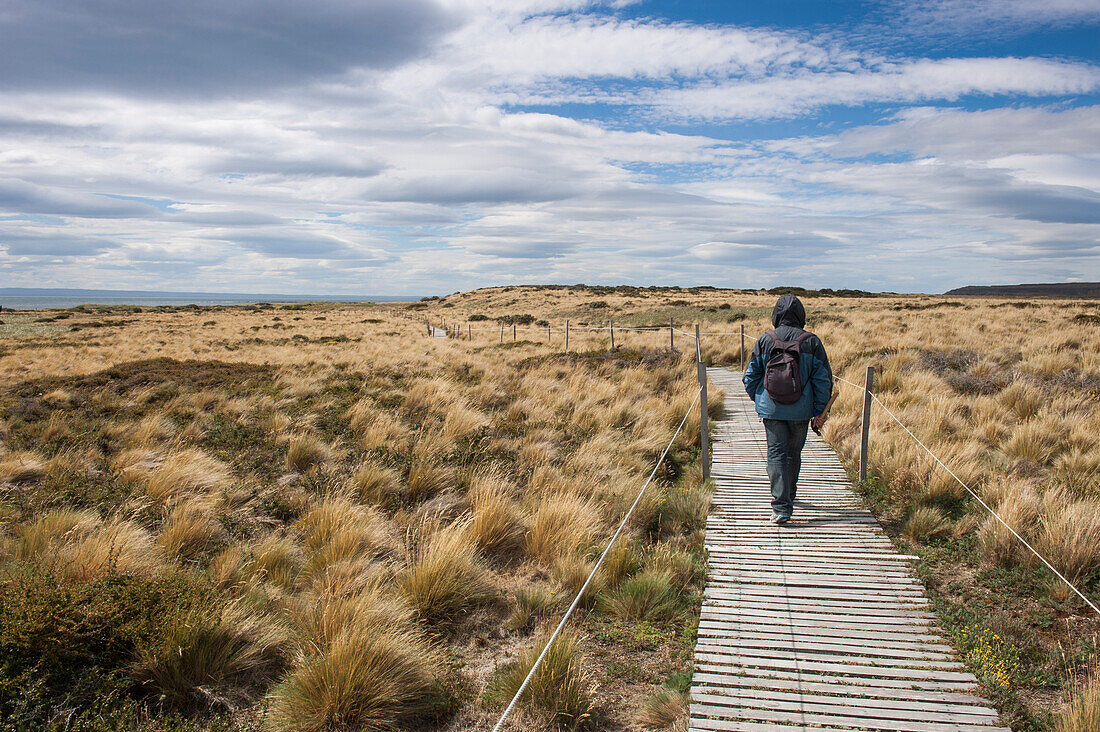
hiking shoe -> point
(780, 519)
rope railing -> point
(576, 600)
(976, 497)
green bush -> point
(65, 645)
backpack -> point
(782, 374)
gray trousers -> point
(785, 442)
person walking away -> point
(789, 379)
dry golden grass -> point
(1083, 712)
(395, 430)
(185, 474)
(560, 692)
(444, 578)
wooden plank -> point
(820, 623)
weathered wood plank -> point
(818, 624)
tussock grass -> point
(1070, 539)
(305, 452)
(562, 689)
(665, 709)
(376, 484)
(21, 467)
(530, 604)
(497, 522)
(1083, 712)
(207, 656)
(336, 529)
(561, 526)
(367, 677)
(926, 522)
(444, 579)
(190, 530)
(427, 479)
(185, 474)
(648, 595)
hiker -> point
(789, 379)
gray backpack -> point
(783, 373)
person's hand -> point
(819, 421)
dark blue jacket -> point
(789, 317)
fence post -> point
(513, 332)
(742, 346)
(671, 336)
(865, 431)
(547, 334)
(611, 325)
(469, 332)
(428, 322)
(698, 351)
(704, 437)
(502, 331)
(566, 335)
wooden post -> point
(548, 334)
(698, 351)
(469, 332)
(566, 335)
(611, 325)
(742, 346)
(502, 332)
(513, 332)
(428, 323)
(704, 437)
(868, 383)
(671, 336)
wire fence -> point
(576, 600)
(672, 330)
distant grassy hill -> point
(1053, 289)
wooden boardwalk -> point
(819, 624)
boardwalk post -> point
(742, 346)
(611, 325)
(671, 336)
(704, 437)
(566, 335)
(866, 428)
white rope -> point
(577, 599)
(978, 498)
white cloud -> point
(421, 178)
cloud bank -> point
(428, 146)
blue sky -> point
(428, 146)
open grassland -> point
(318, 518)
(1006, 392)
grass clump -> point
(444, 579)
(305, 452)
(496, 524)
(648, 595)
(561, 690)
(209, 656)
(366, 678)
(926, 522)
(376, 484)
(665, 709)
(530, 604)
(1083, 712)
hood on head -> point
(788, 310)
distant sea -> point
(19, 298)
